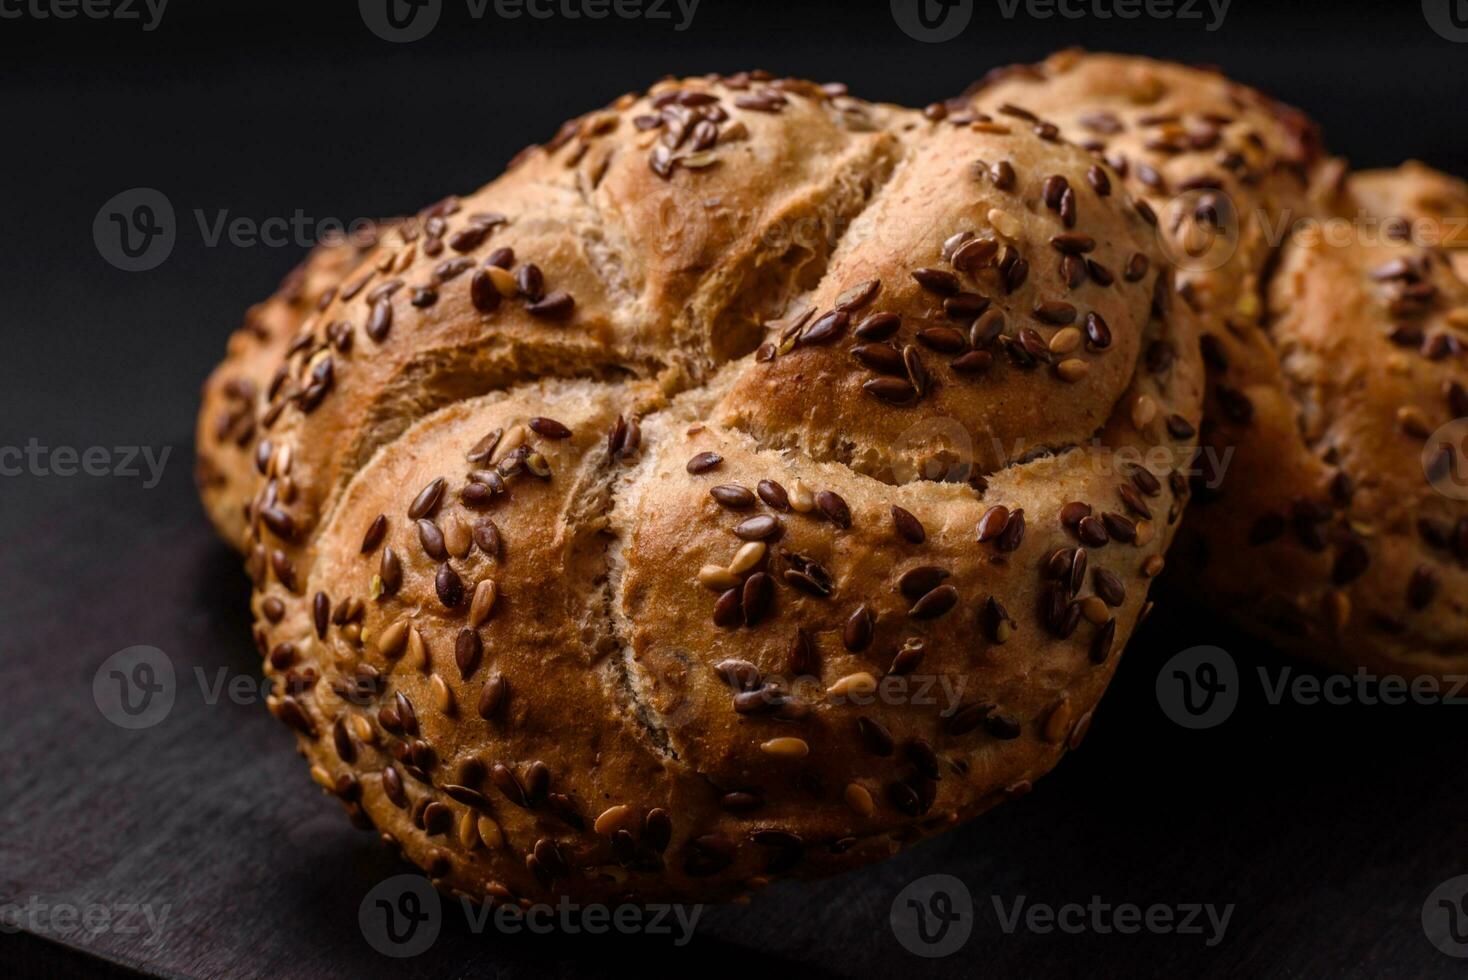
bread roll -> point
(751, 481)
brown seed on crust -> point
(802, 657)
(376, 531)
(449, 586)
(761, 527)
(487, 537)
(727, 611)
(756, 596)
(1092, 532)
(1014, 532)
(945, 340)
(894, 391)
(860, 627)
(967, 718)
(703, 462)
(939, 281)
(835, 508)
(1077, 577)
(390, 571)
(1180, 428)
(916, 372)
(1133, 500)
(1055, 313)
(741, 675)
(974, 362)
(509, 784)
(321, 613)
(826, 328)
(918, 581)
(935, 603)
(467, 650)
(437, 819)
(993, 523)
(549, 428)
(1072, 243)
(732, 496)
(855, 297)
(1136, 267)
(280, 523)
(392, 788)
(427, 499)
(379, 321)
(907, 526)
(1109, 587)
(1119, 528)
(773, 494)
(431, 538)
(997, 623)
(878, 326)
(908, 657)
(482, 292)
(976, 253)
(875, 737)
(1098, 334)
(964, 306)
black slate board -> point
(1327, 826)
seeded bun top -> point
(1332, 355)
(1431, 206)
(750, 481)
(1342, 532)
(240, 389)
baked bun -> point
(1332, 327)
(750, 481)
(239, 390)
(1341, 531)
(1428, 205)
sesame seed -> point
(858, 684)
(786, 748)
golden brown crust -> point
(624, 646)
(1342, 530)
(239, 389)
(1315, 524)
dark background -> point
(1327, 826)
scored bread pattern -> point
(751, 481)
(1326, 516)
